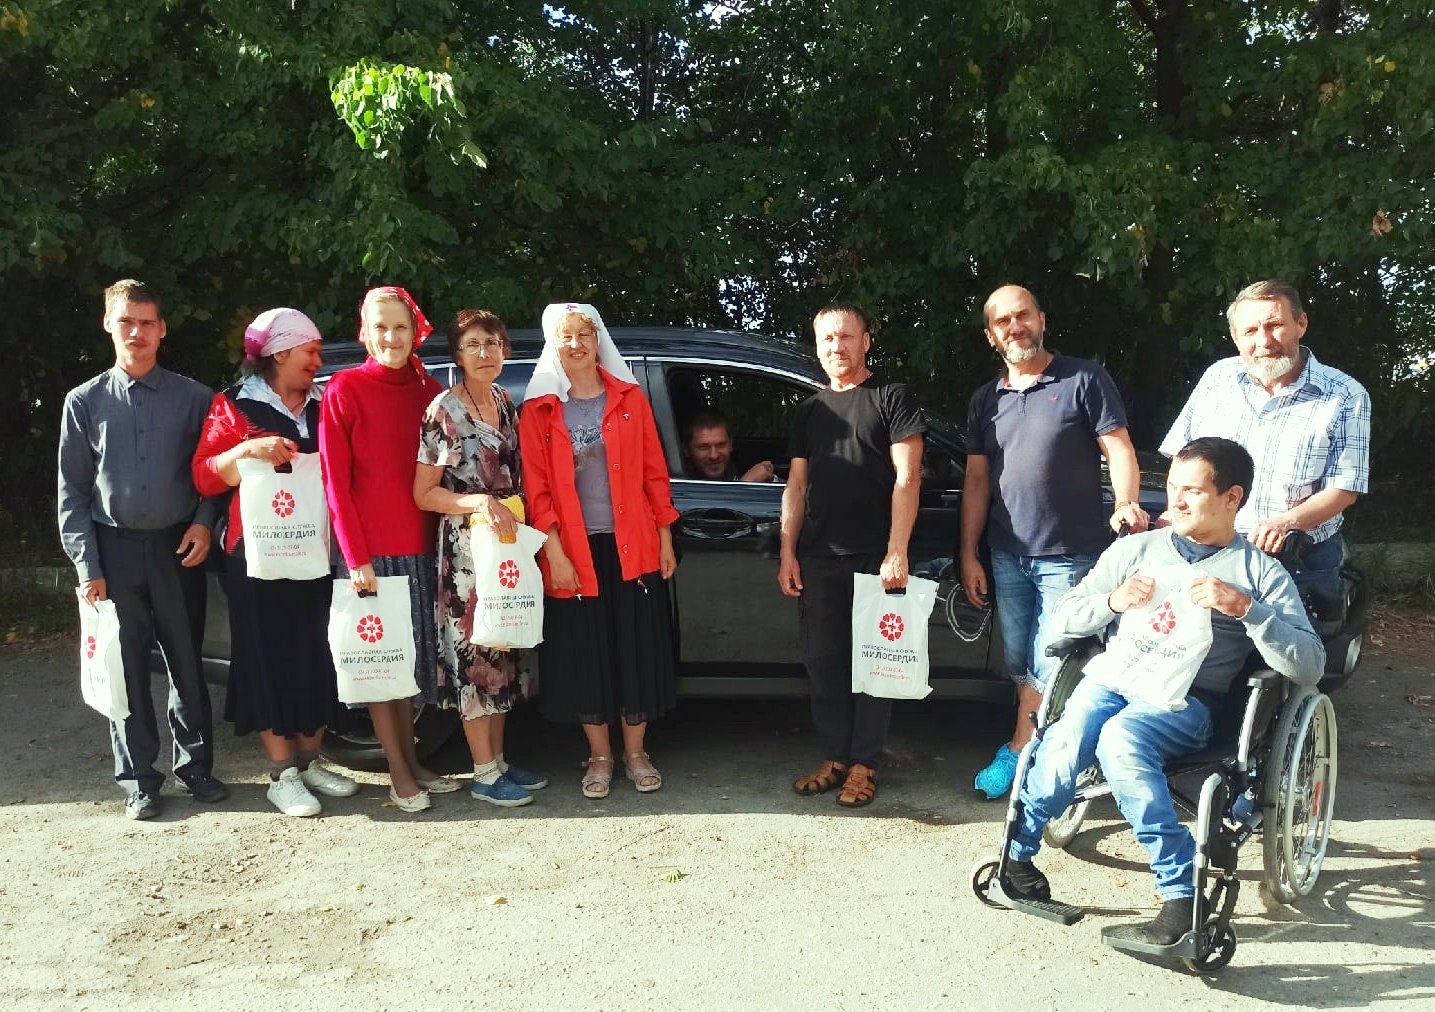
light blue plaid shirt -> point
(1315, 434)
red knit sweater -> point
(369, 439)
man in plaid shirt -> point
(1307, 426)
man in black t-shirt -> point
(848, 508)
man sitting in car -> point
(707, 444)
(1110, 720)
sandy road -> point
(723, 891)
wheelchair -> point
(1272, 738)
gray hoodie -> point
(1276, 625)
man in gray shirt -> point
(1252, 602)
(137, 532)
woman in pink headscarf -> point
(281, 676)
(369, 436)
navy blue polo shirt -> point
(1045, 463)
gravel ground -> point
(724, 890)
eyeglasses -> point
(494, 347)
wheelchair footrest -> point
(1051, 910)
(1127, 937)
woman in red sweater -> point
(597, 484)
(369, 436)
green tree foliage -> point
(726, 164)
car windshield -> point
(944, 431)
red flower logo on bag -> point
(508, 573)
(1164, 620)
(283, 504)
(371, 629)
(891, 626)
(90, 648)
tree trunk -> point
(1328, 16)
(1159, 344)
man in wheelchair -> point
(1157, 704)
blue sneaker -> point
(995, 781)
(502, 792)
(526, 779)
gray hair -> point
(1264, 291)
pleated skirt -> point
(609, 657)
(281, 674)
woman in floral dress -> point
(468, 466)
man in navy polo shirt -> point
(1035, 439)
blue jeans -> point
(1027, 588)
(1132, 741)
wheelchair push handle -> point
(1294, 548)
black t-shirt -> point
(846, 438)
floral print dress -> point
(476, 458)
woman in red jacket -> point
(281, 676)
(369, 436)
(597, 484)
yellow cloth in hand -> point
(515, 506)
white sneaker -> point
(322, 781)
(290, 796)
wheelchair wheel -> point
(1299, 795)
(1061, 830)
(1220, 946)
(983, 875)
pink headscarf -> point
(276, 330)
(422, 327)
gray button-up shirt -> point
(125, 450)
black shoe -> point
(141, 805)
(206, 789)
(1022, 881)
(1173, 921)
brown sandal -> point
(599, 776)
(820, 780)
(860, 787)
(640, 769)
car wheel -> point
(350, 740)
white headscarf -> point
(548, 374)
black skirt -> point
(609, 657)
(281, 674)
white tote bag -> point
(508, 589)
(372, 640)
(889, 637)
(285, 518)
(102, 671)
(1157, 649)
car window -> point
(514, 378)
(759, 408)
(942, 471)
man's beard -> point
(1268, 370)
(1016, 356)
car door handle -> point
(716, 524)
